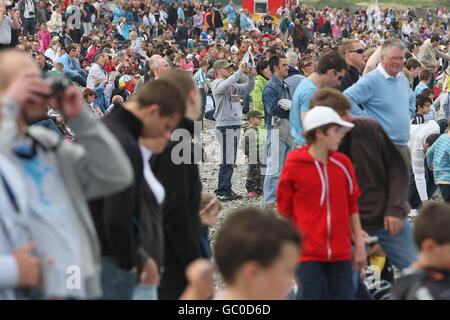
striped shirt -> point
(438, 159)
(200, 78)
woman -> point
(97, 71)
(54, 50)
(264, 75)
(56, 24)
(306, 67)
(96, 47)
(88, 98)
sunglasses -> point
(359, 51)
(308, 64)
(340, 77)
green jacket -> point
(256, 95)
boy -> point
(438, 160)
(319, 192)
(251, 142)
(200, 79)
(256, 263)
(424, 77)
(431, 280)
(422, 107)
(432, 115)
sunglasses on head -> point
(359, 51)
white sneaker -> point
(412, 213)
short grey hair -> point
(392, 42)
(292, 58)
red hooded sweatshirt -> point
(319, 200)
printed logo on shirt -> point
(233, 95)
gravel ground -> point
(209, 175)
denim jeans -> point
(78, 78)
(339, 283)
(209, 115)
(29, 27)
(49, 124)
(413, 195)
(228, 137)
(246, 107)
(276, 155)
(117, 284)
(400, 249)
(443, 123)
(203, 94)
(145, 292)
(445, 191)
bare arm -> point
(359, 254)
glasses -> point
(359, 51)
(399, 59)
(340, 77)
(307, 64)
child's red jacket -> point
(319, 200)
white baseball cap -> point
(320, 116)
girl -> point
(45, 37)
(209, 215)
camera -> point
(10, 4)
(58, 84)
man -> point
(59, 177)
(230, 11)
(85, 44)
(41, 16)
(35, 47)
(8, 21)
(276, 98)
(355, 57)
(329, 73)
(228, 114)
(158, 66)
(88, 11)
(294, 77)
(72, 67)
(27, 10)
(74, 21)
(386, 96)
(153, 113)
(181, 34)
(429, 55)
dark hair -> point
(412, 63)
(435, 37)
(431, 139)
(251, 235)
(274, 60)
(332, 98)
(163, 93)
(427, 91)
(425, 75)
(433, 222)
(421, 100)
(310, 136)
(331, 60)
(262, 65)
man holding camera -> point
(28, 13)
(227, 94)
(8, 21)
(58, 177)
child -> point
(431, 279)
(422, 107)
(438, 160)
(318, 191)
(45, 37)
(200, 79)
(256, 255)
(424, 77)
(251, 143)
(209, 213)
(433, 114)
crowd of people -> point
(342, 115)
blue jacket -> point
(273, 91)
(71, 66)
(101, 101)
